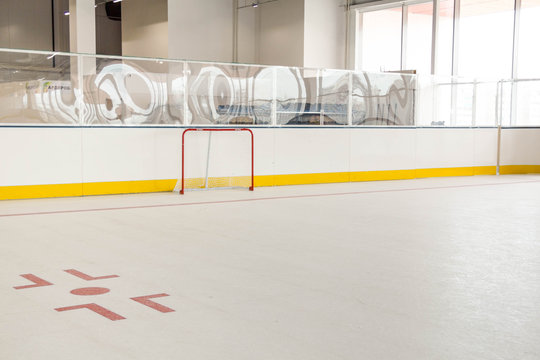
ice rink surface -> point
(445, 268)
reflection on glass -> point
(443, 103)
(41, 88)
(464, 104)
(459, 102)
(128, 92)
(527, 103)
(37, 89)
(486, 103)
(290, 95)
(230, 94)
(383, 99)
(312, 97)
(381, 40)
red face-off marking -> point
(90, 291)
(37, 282)
(88, 277)
(95, 308)
(145, 300)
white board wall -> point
(34, 156)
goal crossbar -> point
(211, 130)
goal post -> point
(231, 181)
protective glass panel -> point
(229, 94)
(383, 99)
(485, 94)
(132, 92)
(442, 104)
(294, 95)
(463, 95)
(312, 97)
(505, 104)
(456, 102)
(333, 96)
(38, 89)
(426, 101)
(527, 103)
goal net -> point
(216, 158)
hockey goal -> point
(216, 158)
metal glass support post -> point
(515, 50)
(499, 124)
(404, 31)
(455, 61)
(235, 31)
(474, 101)
(434, 36)
(80, 85)
(347, 31)
(455, 37)
(208, 159)
(274, 97)
(350, 100)
(359, 42)
(186, 93)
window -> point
(528, 50)
(419, 25)
(445, 38)
(527, 93)
(485, 38)
(381, 40)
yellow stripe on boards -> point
(485, 170)
(519, 169)
(317, 178)
(382, 175)
(39, 191)
(143, 186)
(128, 187)
(443, 172)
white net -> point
(216, 159)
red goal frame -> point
(210, 129)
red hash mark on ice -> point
(95, 308)
(144, 300)
(36, 280)
(88, 277)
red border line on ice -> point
(262, 199)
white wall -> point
(35, 156)
(201, 30)
(145, 28)
(247, 35)
(26, 24)
(309, 33)
(120, 154)
(324, 34)
(31, 156)
(520, 147)
(281, 33)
